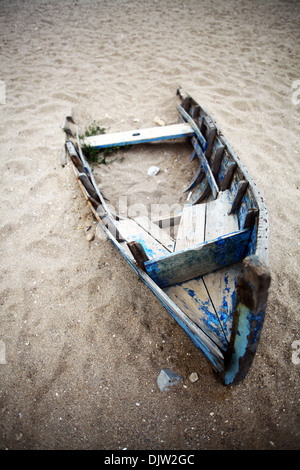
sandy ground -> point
(82, 340)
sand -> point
(82, 339)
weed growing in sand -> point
(93, 154)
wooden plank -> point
(192, 298)
(197, 178)
(191, 227)
(199, 260)
(208, 172)
(155, 231)
(139, 136)
(221, 285)
(194, 126)
(201, 193)
(138, 252)
(133, 232)
(241, 189)
(167, 221)
(218, 222)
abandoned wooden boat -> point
(214, 277)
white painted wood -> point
(131, 231)
(138, 136)
(218, 222)
(191, 227)
(160, 235)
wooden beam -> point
(139, 136)
(241, 189)
(138, 253)
(194, 126)
(199, 260)
(205, 165)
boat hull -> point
(214, 277)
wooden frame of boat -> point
(214, 277)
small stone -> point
(193, 377)
(158, 121)
(90, 236)
(167, 379)
(153, 170)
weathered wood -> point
(241, 189)
(192, 298)
(209, 134)
(191, 227)
(218, 222)
(199, 260)
(199, 175)
(250, 217)
(192, 155)
(139, 136)
(88, 185)
(216, 160)
(187, 307)
(132, 231)
(252, 295)
(138, 253)
(221, 284)
(205, 165)
(167, 221)
(193, 125)
(229, 172)
(201, 193)
(155, 231)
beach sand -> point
(82, 339)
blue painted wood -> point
(252, 289)
(199, 175)
(193, 299)
(192, 123)
(199, 260)
(139, 136)
(205, 165)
